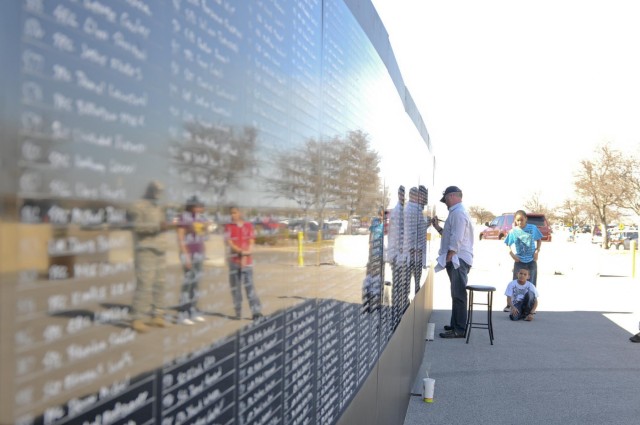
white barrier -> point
(351, 250)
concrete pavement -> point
(574, 364)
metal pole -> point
(319, 244)
(632, 246)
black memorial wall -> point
(281, 107)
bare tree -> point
(294, 178)
(599, 183)
(573, 212)
(630, 198)
(534, 205)
(480, 214)
(341, 173)
(359, 175)
(212, 159)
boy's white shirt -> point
(528, 286)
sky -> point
(515, 93)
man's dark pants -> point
(458, 278)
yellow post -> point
(319, 245)
(632, 246)
(300, 251)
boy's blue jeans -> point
(239, 277)
(524, 306)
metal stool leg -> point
(467, 328)
(489, 314)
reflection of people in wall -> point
(394, 252)
(240, 238)
(149, 225)
(372, 286)
(192, 234)
(421, 239)
(412, 216)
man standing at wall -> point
(456, 256)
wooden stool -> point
(480, 325)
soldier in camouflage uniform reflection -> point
(150, 245)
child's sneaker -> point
(507, 309)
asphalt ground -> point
(574, 364)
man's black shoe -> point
(451, 334)
(448, 328)
(635, 338)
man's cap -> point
(450, 189)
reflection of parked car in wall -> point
(328, 232)
(339, 226)
(501, 225)
(268, 234)
(310, 229)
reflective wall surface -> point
(198, 211)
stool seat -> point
(481, 287)
(482, 325)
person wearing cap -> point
(456, 256)
(149, 226)
(192, 234)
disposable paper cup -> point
(428, 385)
(431, 329)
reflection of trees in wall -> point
(306, 176)
(214, 159)
(359, 175)
(339, 173)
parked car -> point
(630, 236)
(596, 236)
(616, 239)
(498, 228)
(501, 225)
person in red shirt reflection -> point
(240, 239)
